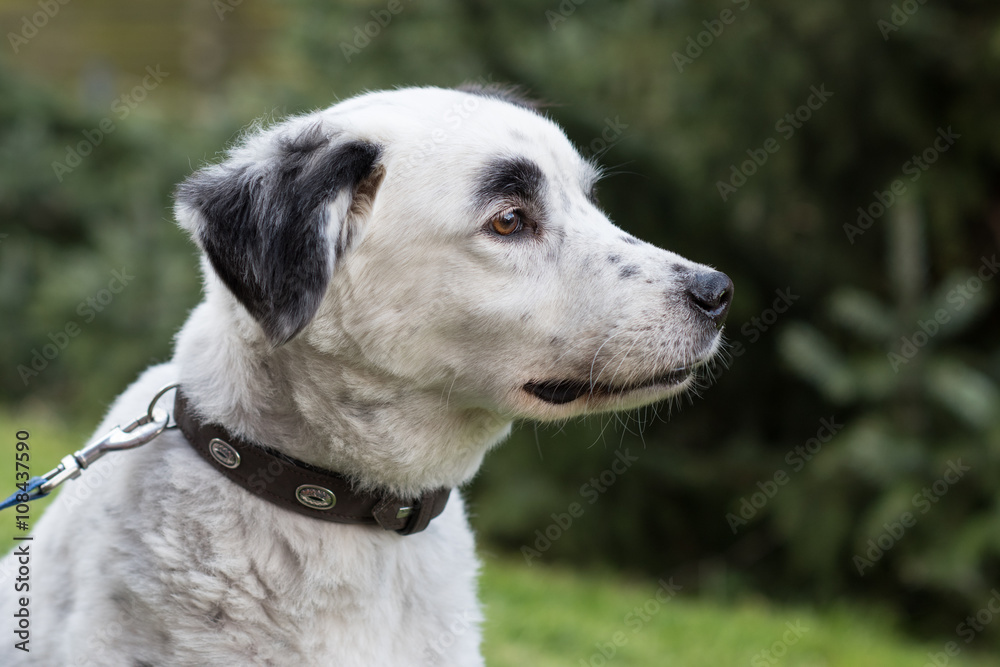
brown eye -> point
(507, 222)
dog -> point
(389, 284)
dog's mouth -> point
(563, 391)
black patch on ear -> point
(265, 225)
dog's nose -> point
(711, 292)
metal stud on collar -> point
(224, 453)
(315, 497)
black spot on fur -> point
(217, 616)
(592, 195)
(265, 225)
(631, 240)
(614, 259)
(628, 271)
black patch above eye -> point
(506, 179)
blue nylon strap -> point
(34, 491)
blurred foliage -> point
(63, 241)
(824, 354)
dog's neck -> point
(330, 412)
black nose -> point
(711, 292)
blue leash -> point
(33, 491)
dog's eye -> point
(507, 223)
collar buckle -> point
(406, 516)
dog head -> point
(448, 241)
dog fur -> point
(362, 314)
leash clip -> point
(137, 433)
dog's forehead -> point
(426, 126)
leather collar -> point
(300, 487)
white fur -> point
(411, 370)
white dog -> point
(389, 284)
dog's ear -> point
(274, 226)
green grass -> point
(542, 617)
(546, 617)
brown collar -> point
(300, 487)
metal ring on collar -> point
(157, 397)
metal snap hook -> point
(157, 397)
